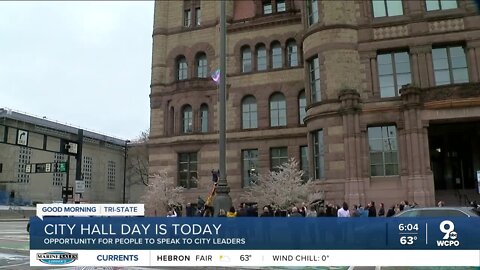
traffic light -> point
(67, 192)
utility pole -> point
(65, 194)
(78, 165)
(222, 197)
(67, 148)
(125, 169)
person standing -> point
(372, 212)
(343, 212)
(242, 212)
(303, 209)
(391, 211)
(232, 212)
(295, 212)
(266, 212)
(312, 212)
(381, 211)
(221, 213)
(172, 213)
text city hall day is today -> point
(120, 235)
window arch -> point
(249, 112)
(202, 65)
(204, 118)
(261, 57)
(187, 119)
(278, 110)
(182, 68)
(292, 53)
(246, 59)
(277, 55)
(302, 107)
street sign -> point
(68, 147)
(62, 167)
(46, 167)
(79, 186)
(22, 137)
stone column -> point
(418, 188)
(473, 55)
(422, 72)
(349, 109)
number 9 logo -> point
(447, 228)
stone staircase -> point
(453, 197)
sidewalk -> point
(16, 213)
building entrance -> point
(455, 160)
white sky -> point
(83, 63)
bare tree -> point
(137, 160)
(283, 187)
(161, 194)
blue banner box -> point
(149, 233)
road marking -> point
(14, 239)
(12, 265)
(17, 248)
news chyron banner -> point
(119, 235)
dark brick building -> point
(322, 81)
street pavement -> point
(14, 245)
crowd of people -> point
(327, 210)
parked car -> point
(439, 212)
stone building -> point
(26, 140)
(378, 100)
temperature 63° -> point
(408, 240)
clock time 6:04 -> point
(407, 227)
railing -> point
(462, 197)
(16, 209)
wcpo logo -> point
(57, 257)
(450, 236)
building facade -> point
(26, 140)
(378, 100)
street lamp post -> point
(222, 198)
(125, 149)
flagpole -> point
(222, 197)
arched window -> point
(246, 59)
(292, 54)
(182, 68)
(278, 110)
(276, 55)
(302, 106)
(204, 118)
(261, 58)
(249, 112)
(187, 121)
(202, 65)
